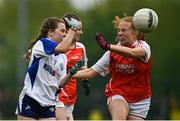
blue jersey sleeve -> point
(48, 45)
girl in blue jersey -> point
(47, 65)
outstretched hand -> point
(102, 42)
(76, 67)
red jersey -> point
(68, 93)
(130, 76)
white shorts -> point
(139, 109)
(59, 104)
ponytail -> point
(27, 55)
(50, 23)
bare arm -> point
(128, 52)
(65, 80)
(64, 45)
(125, 51)
(85, 74)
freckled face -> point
(125, 33)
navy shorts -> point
(31, 108)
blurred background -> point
(20, 21)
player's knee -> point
(119, 116)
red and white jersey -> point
(68, 93)
(130, 76)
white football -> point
(145, 20)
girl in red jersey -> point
(128, 92)
(75, 53)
